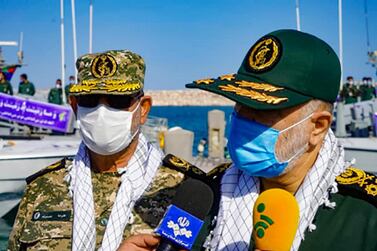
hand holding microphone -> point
(275, 220)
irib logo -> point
(183, 222)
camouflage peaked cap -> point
(117, 72)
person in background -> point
(5, 86)
(70, 83)
(26, 87)
(372, 87)
(350, 91)
(55, 94)
(366, 89)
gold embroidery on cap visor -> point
(264, 54)
(228, 77)
(103, 66)
(255, 95)
(108, 86)
(206, 81)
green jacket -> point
(26, 88)
(367, 92)
(6, 87)
(349, 94)
(55, 96)
(352, 225)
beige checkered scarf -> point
(135, 178)
(239, 192)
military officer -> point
(114, 187)
(55, 93)
(366, 89)
(280, 137)
(26, 87)
(68, 86)
(5, 86)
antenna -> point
(298, 15)
(91, 26)
(20, 53)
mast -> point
(298, 15)
(91, 26)
(62, 49)
(366, 24)
(74, 35)
(340, 41)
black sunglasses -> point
(114, 101)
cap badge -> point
(264, 54)
(104, 65)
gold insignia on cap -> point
(262, 97)
(371, 189)
(103, 65)
(264, 54)
(228, 77)
(259, 86)
(206, 81)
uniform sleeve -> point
(19, 223)
(32, 89)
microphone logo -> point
(263, 224)
(183, 222)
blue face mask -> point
(252, 145)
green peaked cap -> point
(282, 69)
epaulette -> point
(53, 167)
(358, 183)
(192, 171)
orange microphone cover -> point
(275, 220)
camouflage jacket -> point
(45, 216)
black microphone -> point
(185, 216)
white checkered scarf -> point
(135, 178)
(239, 192)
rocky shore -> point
(172, 98)
(187, 98)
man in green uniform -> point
(67, 87)
(115, 186)
(280, 137)
(366, 90)
(5, 86)
(26, 87)
(55, 93)
(350, 92)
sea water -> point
(193, 118)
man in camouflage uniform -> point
(55, 212)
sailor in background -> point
(68, 86)
(26, 87)
(367, 91)
(350, 92)
(5, 86)
(55, 93)
(115, 186)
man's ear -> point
(322, 122)
(73, 103)
(145, 105)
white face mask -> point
(105, 130)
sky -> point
(181, 41)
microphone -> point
(275, 219)
(185, 216)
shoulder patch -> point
(190, 170)
(53, 167)
(358, 183)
